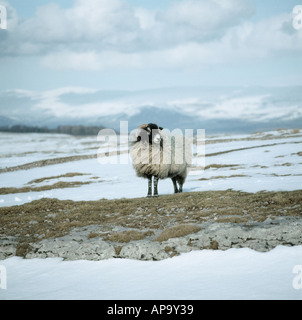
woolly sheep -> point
(156, 153)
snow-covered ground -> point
(267, 161)
(231, 274)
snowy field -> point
(269, 161)
(231, 274)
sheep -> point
(156, 153)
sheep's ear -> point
(161, 128)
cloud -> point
(87, 24)
(91, 60)
(112, 25)
(107, 21)
(110, 34)
(267, 37)
(204, 20)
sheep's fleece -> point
(166, 161)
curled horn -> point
(139, 129)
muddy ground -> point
(151, 228)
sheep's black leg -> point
(155, 182)
(149, 186)
(180, 181)
(175, 185)
(180, 188)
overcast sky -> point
(143, 44)
(57, 59)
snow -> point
(231, 274)
(271, 165)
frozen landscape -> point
(75, 222)
(268, 161)
(264, 166)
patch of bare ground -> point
(220, 166)
(177, 231)
(252, 147)
(261, 136)
(127, 236)
(140, 218)
(66, 175)
(224, 177)
(57, 185)
(48, 162)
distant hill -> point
(164, 117)
(4, 121)
(171, 119)
(67, 129)
(215, 109)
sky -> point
(140, 44)
(78, 46)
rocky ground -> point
(151, 228)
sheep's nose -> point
(157, 138)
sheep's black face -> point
(150, 133)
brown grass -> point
(249, 148)
(93, 235)
(286, 164)
(224, 177)
(51, 218)
(177, 231)
(232, 219)
(49, 162)
(260, 136)
(57, 185)
(219, 166)
(66, 175)
(127, 236)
